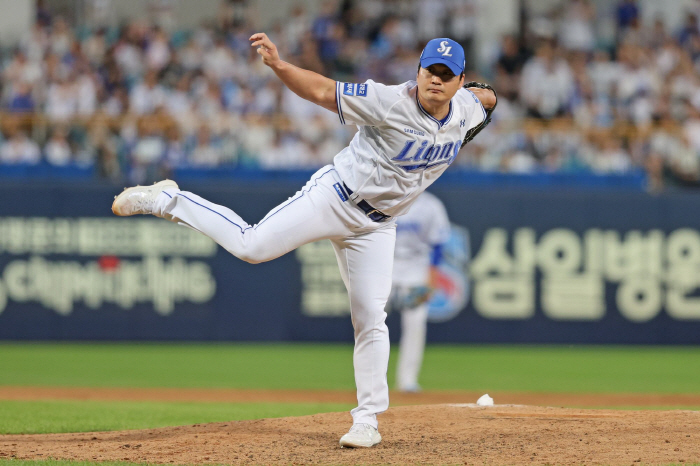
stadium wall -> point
(552, 265)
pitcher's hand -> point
(266, 48)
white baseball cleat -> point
(139, 199)
(360, 435)
(413, 388)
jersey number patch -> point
(349, 89)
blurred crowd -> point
(578, 100)
(143, 99)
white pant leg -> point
(314, 212)
(366, 263)
(365, 252)
(411, 346)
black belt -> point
(372, 213)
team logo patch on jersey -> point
(362, 90)
(349, 89)
(462, 123)
(341, 192)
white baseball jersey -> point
(418, 231)
(400, 149)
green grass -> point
(178, 365)
(582, 369)
(25, 417)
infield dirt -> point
(447, 433)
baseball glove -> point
(412, 297)
(475, 130)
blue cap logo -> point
(444, 51)
(445, 48)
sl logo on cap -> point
(445, 49)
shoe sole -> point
(354, 445)
(162, 184)
(347, 444)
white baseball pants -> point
(365, 251)
(414, 324)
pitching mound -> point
(435, 434)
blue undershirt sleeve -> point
(436, 255)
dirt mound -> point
(434, 434)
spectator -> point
(35, 42)
(175, 154)
(104, 146)
(20, 69)
(19, 149)
(205, 153)
(208, 103)
(150, 147)
(157, 51)
(219, 62)
(610, 158)
(691, 127)
(61, 37)
(431, 15)
(57, 150)
(117, 103)
(576, 28)
(603, 73)
(61, 99)
(295, 26)
(146, 96)
(85, 94)
(178, 100)
(326, 31)
(286, 151)
(681, 165)
(148, 152)
(95, 47)
(190, 56)
(21, 100)
(547, 84)
(519, 161)
(627, 14)
(508, 67)
(689, 30)
(462, 22)
(127, 54)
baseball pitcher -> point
(407, 136)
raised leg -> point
(314, 212)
